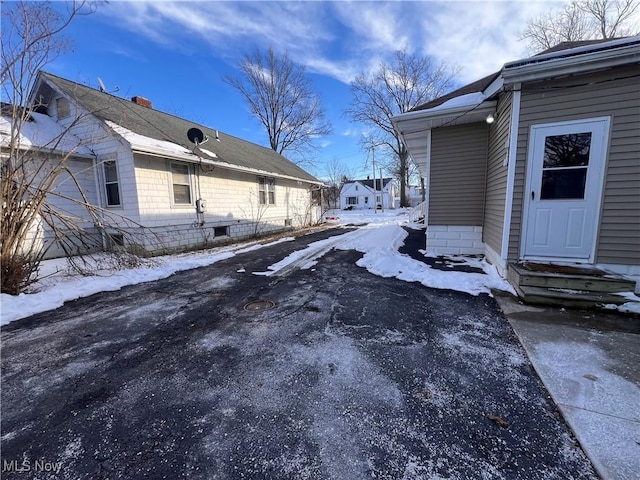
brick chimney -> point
(145, 102)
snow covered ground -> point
(378, 240)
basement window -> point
(116, 240)
(221, 231)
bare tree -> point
(393, 89)
(282, 98)
(582, 20)
(336, 174)
(41, 184)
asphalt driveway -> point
(331, 373)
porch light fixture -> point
(490, 118)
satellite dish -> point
(101, 83)
(195, 135)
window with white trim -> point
(267, 190)
(111, 184)
(352, 200)
(181, 183)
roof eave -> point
(49, 151)
(193, 158)
(553, 67)
(434, 118)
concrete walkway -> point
(589, 362)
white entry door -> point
(564, 189)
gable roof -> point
(369, 183)
(157, 132)
(39, 131)
(474, 87)
(473, 102)
(562, 51)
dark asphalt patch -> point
(348, 376)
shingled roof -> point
(369, 182)
(158, 125)
(483, 83)
(477, 86)
(574, 44)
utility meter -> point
(201, 205)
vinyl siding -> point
(614, 93)
(231, 196)
(108, 145)
(496, 189)
(458, 169)
(78, 174)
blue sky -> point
(176, 52)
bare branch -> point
(393, 89)
(282, 98)
(582, 20)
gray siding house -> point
(537, 162)
(156, 191)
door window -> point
(565, 164)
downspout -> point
(511, 172)
(486, 176)
(427, 185)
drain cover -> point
(258, 306)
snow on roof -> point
(42, 132)
(141, 142)
(468, 100)
(208, 152)
(150, 145)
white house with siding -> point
(554, 178)
(158, 192)
(365, 194)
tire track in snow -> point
(308, 257)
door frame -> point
(598, 196)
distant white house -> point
(359, 194)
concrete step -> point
(568, 277)
(568, 298)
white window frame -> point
(187, 184)
(267, 190)
(106, 182)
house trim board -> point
(427, 180)
(528, 178)
(494, 259)
(511, 172)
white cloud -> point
(480, 36)
(341, 39)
